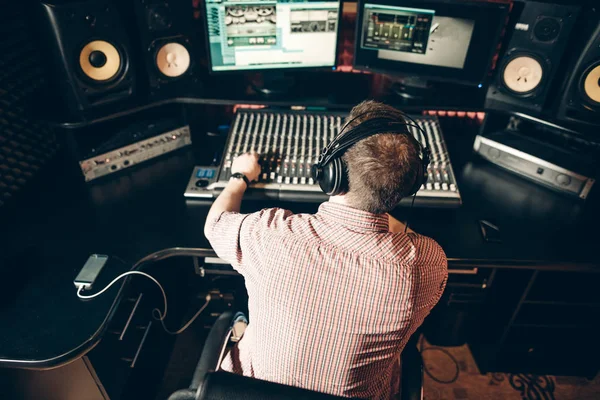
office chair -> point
(220, 385)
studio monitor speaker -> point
(90, 51)
(580, 97)
(538, 36)
(169, 46)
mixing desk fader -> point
(290, 142)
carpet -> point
(452, 374)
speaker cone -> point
(591, 84)
(99, 60)
(173, 59)
(523, 74)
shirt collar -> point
(354, 219)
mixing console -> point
(290, 142)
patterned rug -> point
(453, 374)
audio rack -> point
(135, 144)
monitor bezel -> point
(432, 72)
(211, 71)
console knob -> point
(563, 179)
(493, 153)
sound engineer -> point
(333, 296)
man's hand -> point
(247, 164)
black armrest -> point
(411, 379)
(209, 357)
(212, 348)
(223, 385)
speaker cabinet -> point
(90, 51)
(580, 100)
(526, 70)
(168, 41)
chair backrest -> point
(226, 386)
(209, 385)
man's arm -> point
(230, 198)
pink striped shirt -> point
(333, 296)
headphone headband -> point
(343, 141)
(330, 171)
(371, 127)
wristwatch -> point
(239, 175)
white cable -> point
(223, 349)
(161, 316)
(184, 327)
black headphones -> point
(330, 170)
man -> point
(334, 296)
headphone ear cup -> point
(333, 177)
(327, 178)
(315, 172)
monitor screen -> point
(445, 40)
(258, 35)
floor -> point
(461, 380)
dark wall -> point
(26, 145)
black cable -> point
(446, 352)
(412, 203)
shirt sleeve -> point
(236, 237)
(431, 262)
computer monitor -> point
(436, 39)
(271, 34)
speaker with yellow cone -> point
(90, 52)
(591, 84)
(99, 60)
(169, 43)
(580, 96)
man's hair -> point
(382, 168)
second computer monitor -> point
(266, 35)
(438, 39)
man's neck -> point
(339, 200)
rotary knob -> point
(493, 153)
(563, 179)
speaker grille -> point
(25, 144)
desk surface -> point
(144, 211)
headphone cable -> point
(412, 203)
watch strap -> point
(239, 175)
